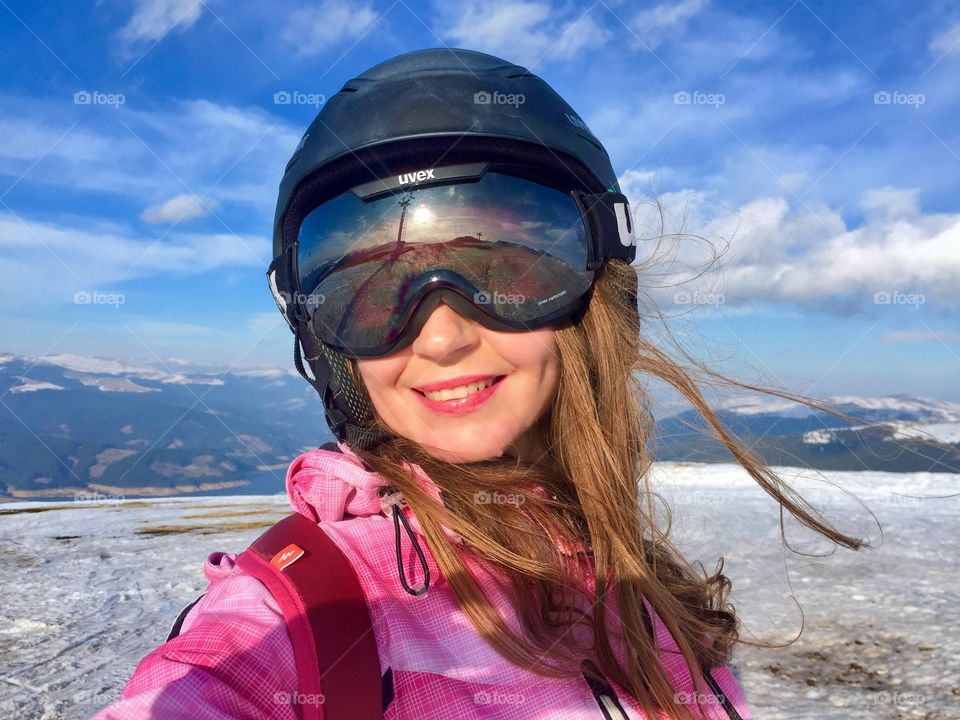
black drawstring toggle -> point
(394, 500)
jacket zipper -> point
(609, 706)
(606, 698)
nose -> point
(445, 333)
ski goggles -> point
(369, 265)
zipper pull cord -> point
(725, 703)
(395, 500)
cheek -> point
(534, 352)
(380, 376)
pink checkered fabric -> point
(233, 657)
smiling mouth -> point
(460, 392)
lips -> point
(475, 394)
(454, 382)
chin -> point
(465, 452)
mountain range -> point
(895, 433)
(80, 426)
(75, 424)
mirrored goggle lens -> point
(516, 249)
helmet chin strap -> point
(348, 412)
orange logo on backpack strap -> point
(290, 554)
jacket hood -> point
(328, 486)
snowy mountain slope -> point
(894, 407)
(90, 588)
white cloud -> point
(313, 30)
(153, 19)
(45, 262)
(24, 138)
(520, 32)
(510, 28)
(196, 147)
(887, 203)
(793, 181)
(576, 35)
(947, 42)
(634, 182)
(179, 208)
(773, 253)
(667, 21)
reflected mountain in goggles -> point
(515, 249)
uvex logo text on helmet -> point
(418, 176)
(578, 122)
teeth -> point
(455, 393)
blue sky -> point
(816, 144)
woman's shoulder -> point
(232, 655)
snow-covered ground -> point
(89, 588)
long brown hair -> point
(597, 495)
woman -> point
(452, 253)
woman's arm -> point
(232, 659)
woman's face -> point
(464, 424)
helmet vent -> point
(592, 142)
(520, 75)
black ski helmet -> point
(413, 110)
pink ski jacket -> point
(234, 659)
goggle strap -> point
(298, 363)
(329, 370)
(280, 282)
(327, 388)
(311, 344)
(610, 224)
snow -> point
(924, 407)
(85, 596)
(927, 409)
(818, 437)
(758, 404)
(87, 364)
(31, 385)
(108, 366)
(946, 432)
(265, 373)
(109, 384)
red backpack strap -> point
(327, 618)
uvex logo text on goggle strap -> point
(416, 176)
(624, 224)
